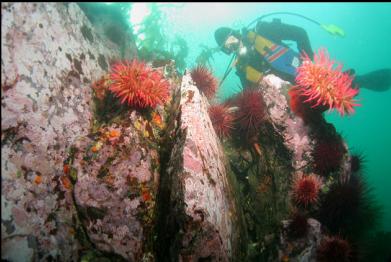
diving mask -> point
(231, 44)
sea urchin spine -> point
(222, 120)
(306, 188)
(251, 110)
(328, 155)
(205, 81)
(333, 249)
(298, 226)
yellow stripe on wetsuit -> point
(252, 74)
(266, 48)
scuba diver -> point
(261, 51)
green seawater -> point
(364, 48)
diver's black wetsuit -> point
(275, 31)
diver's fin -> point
(379, 80)
(334, 30)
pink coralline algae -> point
(322, 85)
(115, 175)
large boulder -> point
(292, 128)
(202, 218)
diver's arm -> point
(277, 31)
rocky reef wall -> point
(155, 184)
(50, 55)
(63, 190)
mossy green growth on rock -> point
(262, 171)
